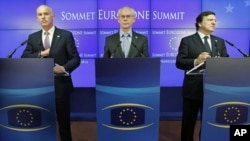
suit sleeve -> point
(106, 53)
(72, 57)
(32, 49)
(185, 58)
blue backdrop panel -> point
(127, 97)
(27, 109)
(226, 97)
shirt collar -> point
(51, 31)
(129, 32)
(203, 35)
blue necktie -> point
(126, 44)
(206, 45)
(46, 40)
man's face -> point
(208, 24)
(126, 19)
(45, 17)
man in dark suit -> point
(59, 45)
(116, 45)
(192, 52)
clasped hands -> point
(201, 58)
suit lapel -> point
(40, 40)
(214, 46)
(134, 38)
(133, 44)
(117, 45)
(56, 38)
(198, 42)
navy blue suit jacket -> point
(62, 49)
(189, 49)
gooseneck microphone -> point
(217, 50)
(113, 53)
(10, 55)
(139, 51)
(231, 44)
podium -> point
(27, 109)
(128, 99)
(226, 97)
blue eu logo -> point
(228, 113)
(127, 116)
(24, 117)
(231, 114)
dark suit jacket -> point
(189, 49)
(63, 50)
(138, 48)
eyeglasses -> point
(126, 16)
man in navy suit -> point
(191, 53)
(137, 43)
(60, 46)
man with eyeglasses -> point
(126, 43)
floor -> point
(169, 131)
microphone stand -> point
(231, 44)
(10, 55)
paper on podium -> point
(65, 73)
(195, 70)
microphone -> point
(117, 46)
(217, 50)
(140, 52)
(231, 44)
(10, 55)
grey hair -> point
(132, 10)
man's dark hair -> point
(201, 16)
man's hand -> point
(202, 58)
(59, 70)
(45, 53)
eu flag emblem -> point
(24, 117)
(128, 116)
(231, 114)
